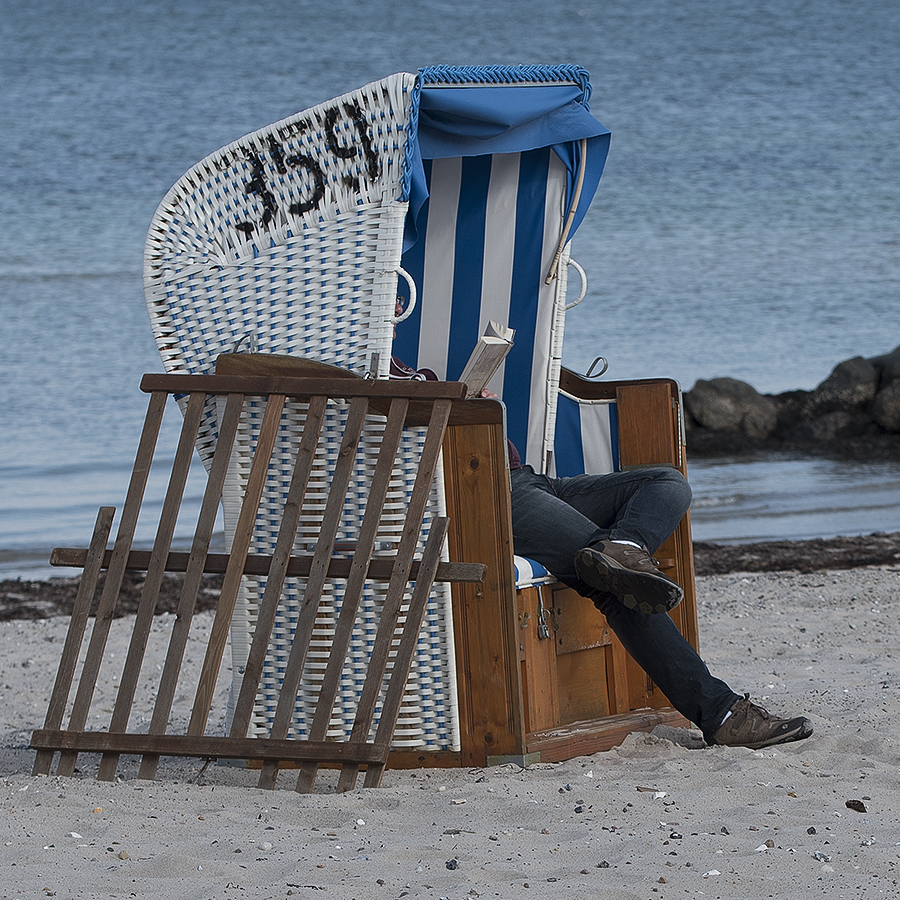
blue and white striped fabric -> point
(587, 437)
(484, 258)
(529, 573)
(491, 189)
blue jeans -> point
(553, 518)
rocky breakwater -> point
(853, 414)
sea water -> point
(746, 224)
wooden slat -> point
(645, 426)
(431, 453)
(115, 573)
(283, 364)
(343, 632)
(268, 607)
(579, 627)
(155, 571)
(240, 545)
(193, 568)
(492, 718)
(68, 661)
(537, 659)
(207, 747)
(415, 615)
(617, 678)
(300, 388)
(583, 690)
(331, 521)
(585, 738)
(380, 567)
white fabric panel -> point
(440, 254)
(500, 223)
(596, 436)
(545, 368)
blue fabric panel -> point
(469, 264)
(526, 284)
(470, 121)
(567, 442)
(406, 342)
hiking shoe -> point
(752, 726)
(630, 573)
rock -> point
(726, 404)
(831, 426)
(889, 366)
(852, 385)
(886, 408)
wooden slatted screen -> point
(397, 631)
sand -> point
(661, 816)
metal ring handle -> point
(583, 276)
(604, 366)
(412, 296)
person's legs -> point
(546, 528)
(659, 648)
(553, 518)
(575, 526)
(642, 505)
(550, 530)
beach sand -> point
(661, 816)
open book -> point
(489, 352)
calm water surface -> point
(745, 226)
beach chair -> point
(457, 189)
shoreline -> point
(24, 598)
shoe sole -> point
(649, 594)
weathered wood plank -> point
(393, 600)
(645, 426)
(415, 614)
(328, 531)
(492, 718)
(343, 632)
(68, 661)
(193, 569)
(155, 572)
(207, 746)
(111, 587)
(300, 388)
(243, 534)
(380, 567)
(268, 607)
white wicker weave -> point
(288, 241)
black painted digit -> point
(362, 129)
(277, 155)
(257, 185)
(355, 113)
(311, 166)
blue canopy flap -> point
(470, 111)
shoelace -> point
(747, 706)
